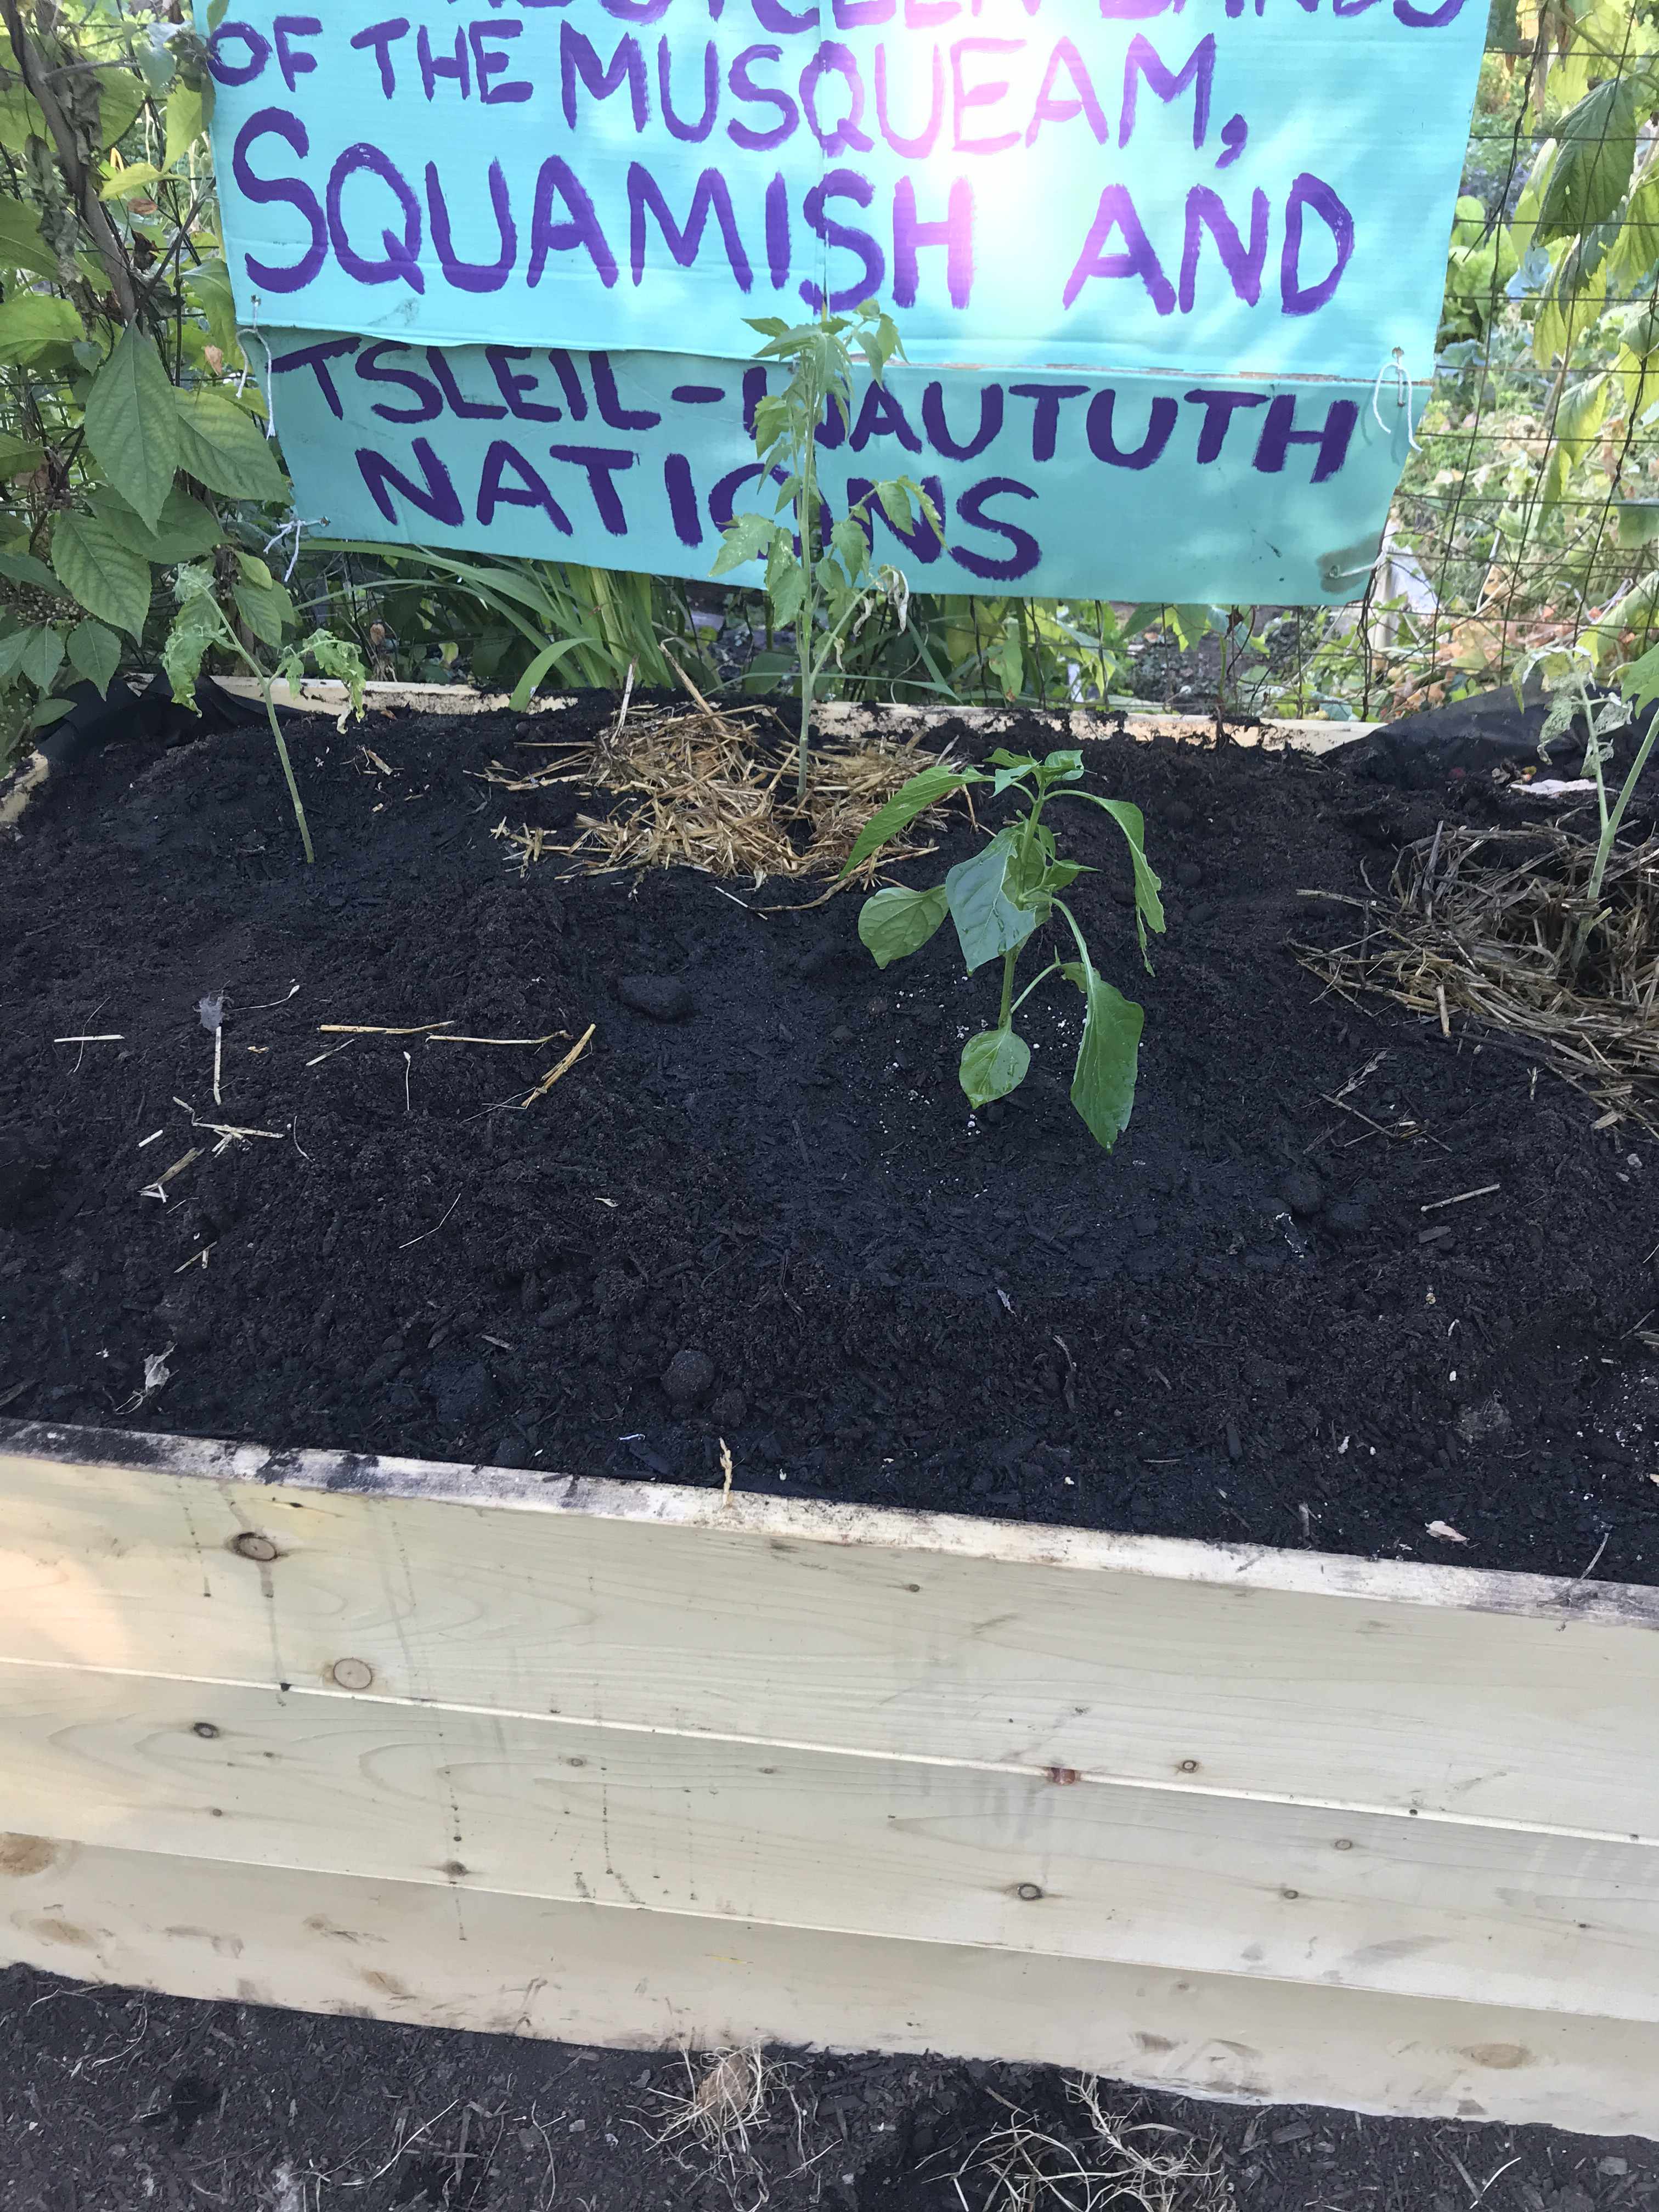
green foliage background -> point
(132, 447)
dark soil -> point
(111, 2102)
(768, 1216)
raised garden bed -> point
(1370, 1828)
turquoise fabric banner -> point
(1217, 186)
(1166, 487)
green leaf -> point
(106, 576)
(922, 791)
(220, 446)
(1638, 684)
(47, 711)
(184, 123)
(266, 609)
(197, 626)
(120, 96)
(96, 654)
(185, 529)
(24, 569)
(1103, 1080)
(21, 119)
(786, 580)
(132, 424)
(13, 646)
(896, 922)
(208, 289)
(993, 1063)
(137, 177)
(1010, 768)
(42, 657)
(1597, 153)
(746, 537)
(851, 547)
(988, 920)
(18, 458)
(1149, 906)
(22, 246)
(31, 322)
(338, 657)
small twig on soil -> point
(1485, 1191)
(548, 1039)
(408, 1065)
(104, 1037)
(561, 1067)
(435, 1227)
(158, 1188)
(265, 1004)
(378, 1028)
(228, 1132)
(318, 1059)
(725, 1470)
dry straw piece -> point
(1122, 2164)
(707, 789)
(1495, 924)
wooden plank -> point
(923, 1849)
(1387, 1687)
(519, 1966)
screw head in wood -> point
(206, 1729)
(251, 1546)
(1028, 1893)
(351, 1673)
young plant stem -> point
(265, 682)
(807, 516)
(1009, 962)
(1610, 821)
(288, 772)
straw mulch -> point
(710, 789)
(1495, 924)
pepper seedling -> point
(998, 900)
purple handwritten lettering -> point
(531, 489)
(915, 147)
(380, 38)
(1278, 434)
(843, 184)
(1136, 257)
(939, 436)
(693, 132)
(577, 230)
(435, 498)
(965, 95)
(1045, 412)
(1219, 405)
(1314, 193)
(744, 87)
(401, 256)
(288, 192)
(372, 369)
(1205, 211)
(473, 276)
(1162, 416)
(709, 195)
(1025, 553)
(955, 234)
(516, 387)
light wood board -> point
(934, 1850)
(516, 1966)
(1387, 1687)
(1025, 1762)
